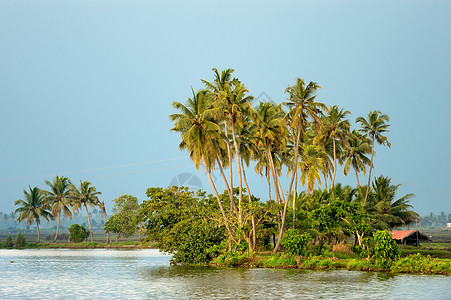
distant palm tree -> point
(33, 208)
(85, 196)
(58, 198)
(373, 127)
(355, 154)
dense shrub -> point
(20, 240)
(295, 242)
(78, 233)
(384, 250)
(9, 242)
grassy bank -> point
(83, 245)
(414, 264)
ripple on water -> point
(144, 274)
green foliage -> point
(278, 260)
(78, 233)
(20, 240)
(179, 222)
(421, 264)
(384, 250)
(9, 242)
(235, 259)
(122, 222)
(294, 242)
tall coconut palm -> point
(335, 128)
(220, 90)
(85, 196)
(272, 138)
(58, 198)
(200, 136)
(355, 154)
(33, 208)
(236, 106)
(373, 127)
(303, 108)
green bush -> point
(78, 233)
(20, 240)
(9, 242)
(384, 250)
(294, 242)
(279, 260)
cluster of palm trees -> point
(61, 197)
(220, 127)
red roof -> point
(401, 234)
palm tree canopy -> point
(200, 134)
(58, 196)
(302, 105)
(356, 151)
(33, 207)
(387, 211)
(374, 126)
(85, 195)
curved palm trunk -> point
(369, 175)
(221, 208)
(357, 176)
(240, 179)
(325, 181)
(254, 234)
(285, 208)
(294, 199)
(229, 154)
(57, 227)
(335, 166)
(102, 207)
(229, 191)
(268, 178)
(89, 221)
(37, 227)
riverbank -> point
(85, 245)
(412, 264)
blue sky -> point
(86, 86)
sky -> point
(86, 87)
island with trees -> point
(312, 223)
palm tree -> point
(336, 128)
(58, 198)
(200, 136)
(272, 138)
(373, 127)
(220, 90)
(33, 208)
(302, 107)
(355, 154)
(311, 166)
(85, 196)
(386, 211)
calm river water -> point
(146, 274)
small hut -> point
(409, 237)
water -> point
(146, 274)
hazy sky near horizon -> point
(86, 86)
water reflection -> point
(144, 274)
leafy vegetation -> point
(78, 233)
